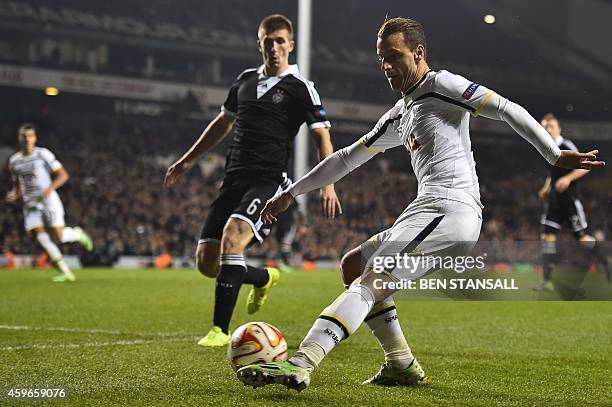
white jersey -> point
(432, 122)
(35, 174)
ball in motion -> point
(256, 342)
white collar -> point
(291, 70)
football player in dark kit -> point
(563, 204)
(265, 106)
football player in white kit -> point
(37, 174)
(431, 121)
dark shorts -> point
(240, 198)
(562, 208)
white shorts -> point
(429, 226)
(49, 213)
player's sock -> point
(231, 275)
(69, 235)
(336, 322)
(549, 255)
(257, 276)
(385, 325)
(596, 247)
(51, 248)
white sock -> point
(51, 248)
(336, 322)
(63, 267)
(69, 235)
(385, 325)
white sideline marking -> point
(93, 331)
(91, 344)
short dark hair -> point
(412, 30)
(276, 22)
(26, 126)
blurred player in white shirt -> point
(37, 174)
(431, 121)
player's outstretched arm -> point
(327, 195)
(210, 137)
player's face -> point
(27, 139)
(552, 127)
(397, 61)
(275, 48)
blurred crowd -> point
(115, 193)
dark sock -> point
(549, 255)
(600, 253)
(256, 276)
(285, 256)
(231, 276)
(548, 262)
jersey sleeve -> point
(482, 101)
(315, 114)
(230, 106)
(49, 158)
(464, 93)
(385, 133)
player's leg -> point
(284, 234)
(382, 319)
(459, 227)
(551, 223)
(207, 257)
(63, 233)
(579, 226)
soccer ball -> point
(256, 342)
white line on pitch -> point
(91, 344)
(92, 331)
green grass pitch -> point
(119, 337)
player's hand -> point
(574, 159)
(174, 172)
(562, 184)
(276, 206)
(45, 194)
(12, 196)
(329, 201)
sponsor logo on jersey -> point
(278, 96)
(470, 90)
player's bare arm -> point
(15, 193)
(564, 182)
(545, 190)
(210, 137)
(60, 177)
(327, 195)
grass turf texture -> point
(130, 336)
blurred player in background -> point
(284, 233)
(561, 192)
(431, 121)
(37, 175)
(266, 107)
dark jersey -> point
(269, 112)
(558, 172)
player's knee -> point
(207, 261)
(236, 236)
(350, 265)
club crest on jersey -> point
(278, 96)
(470, 90)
